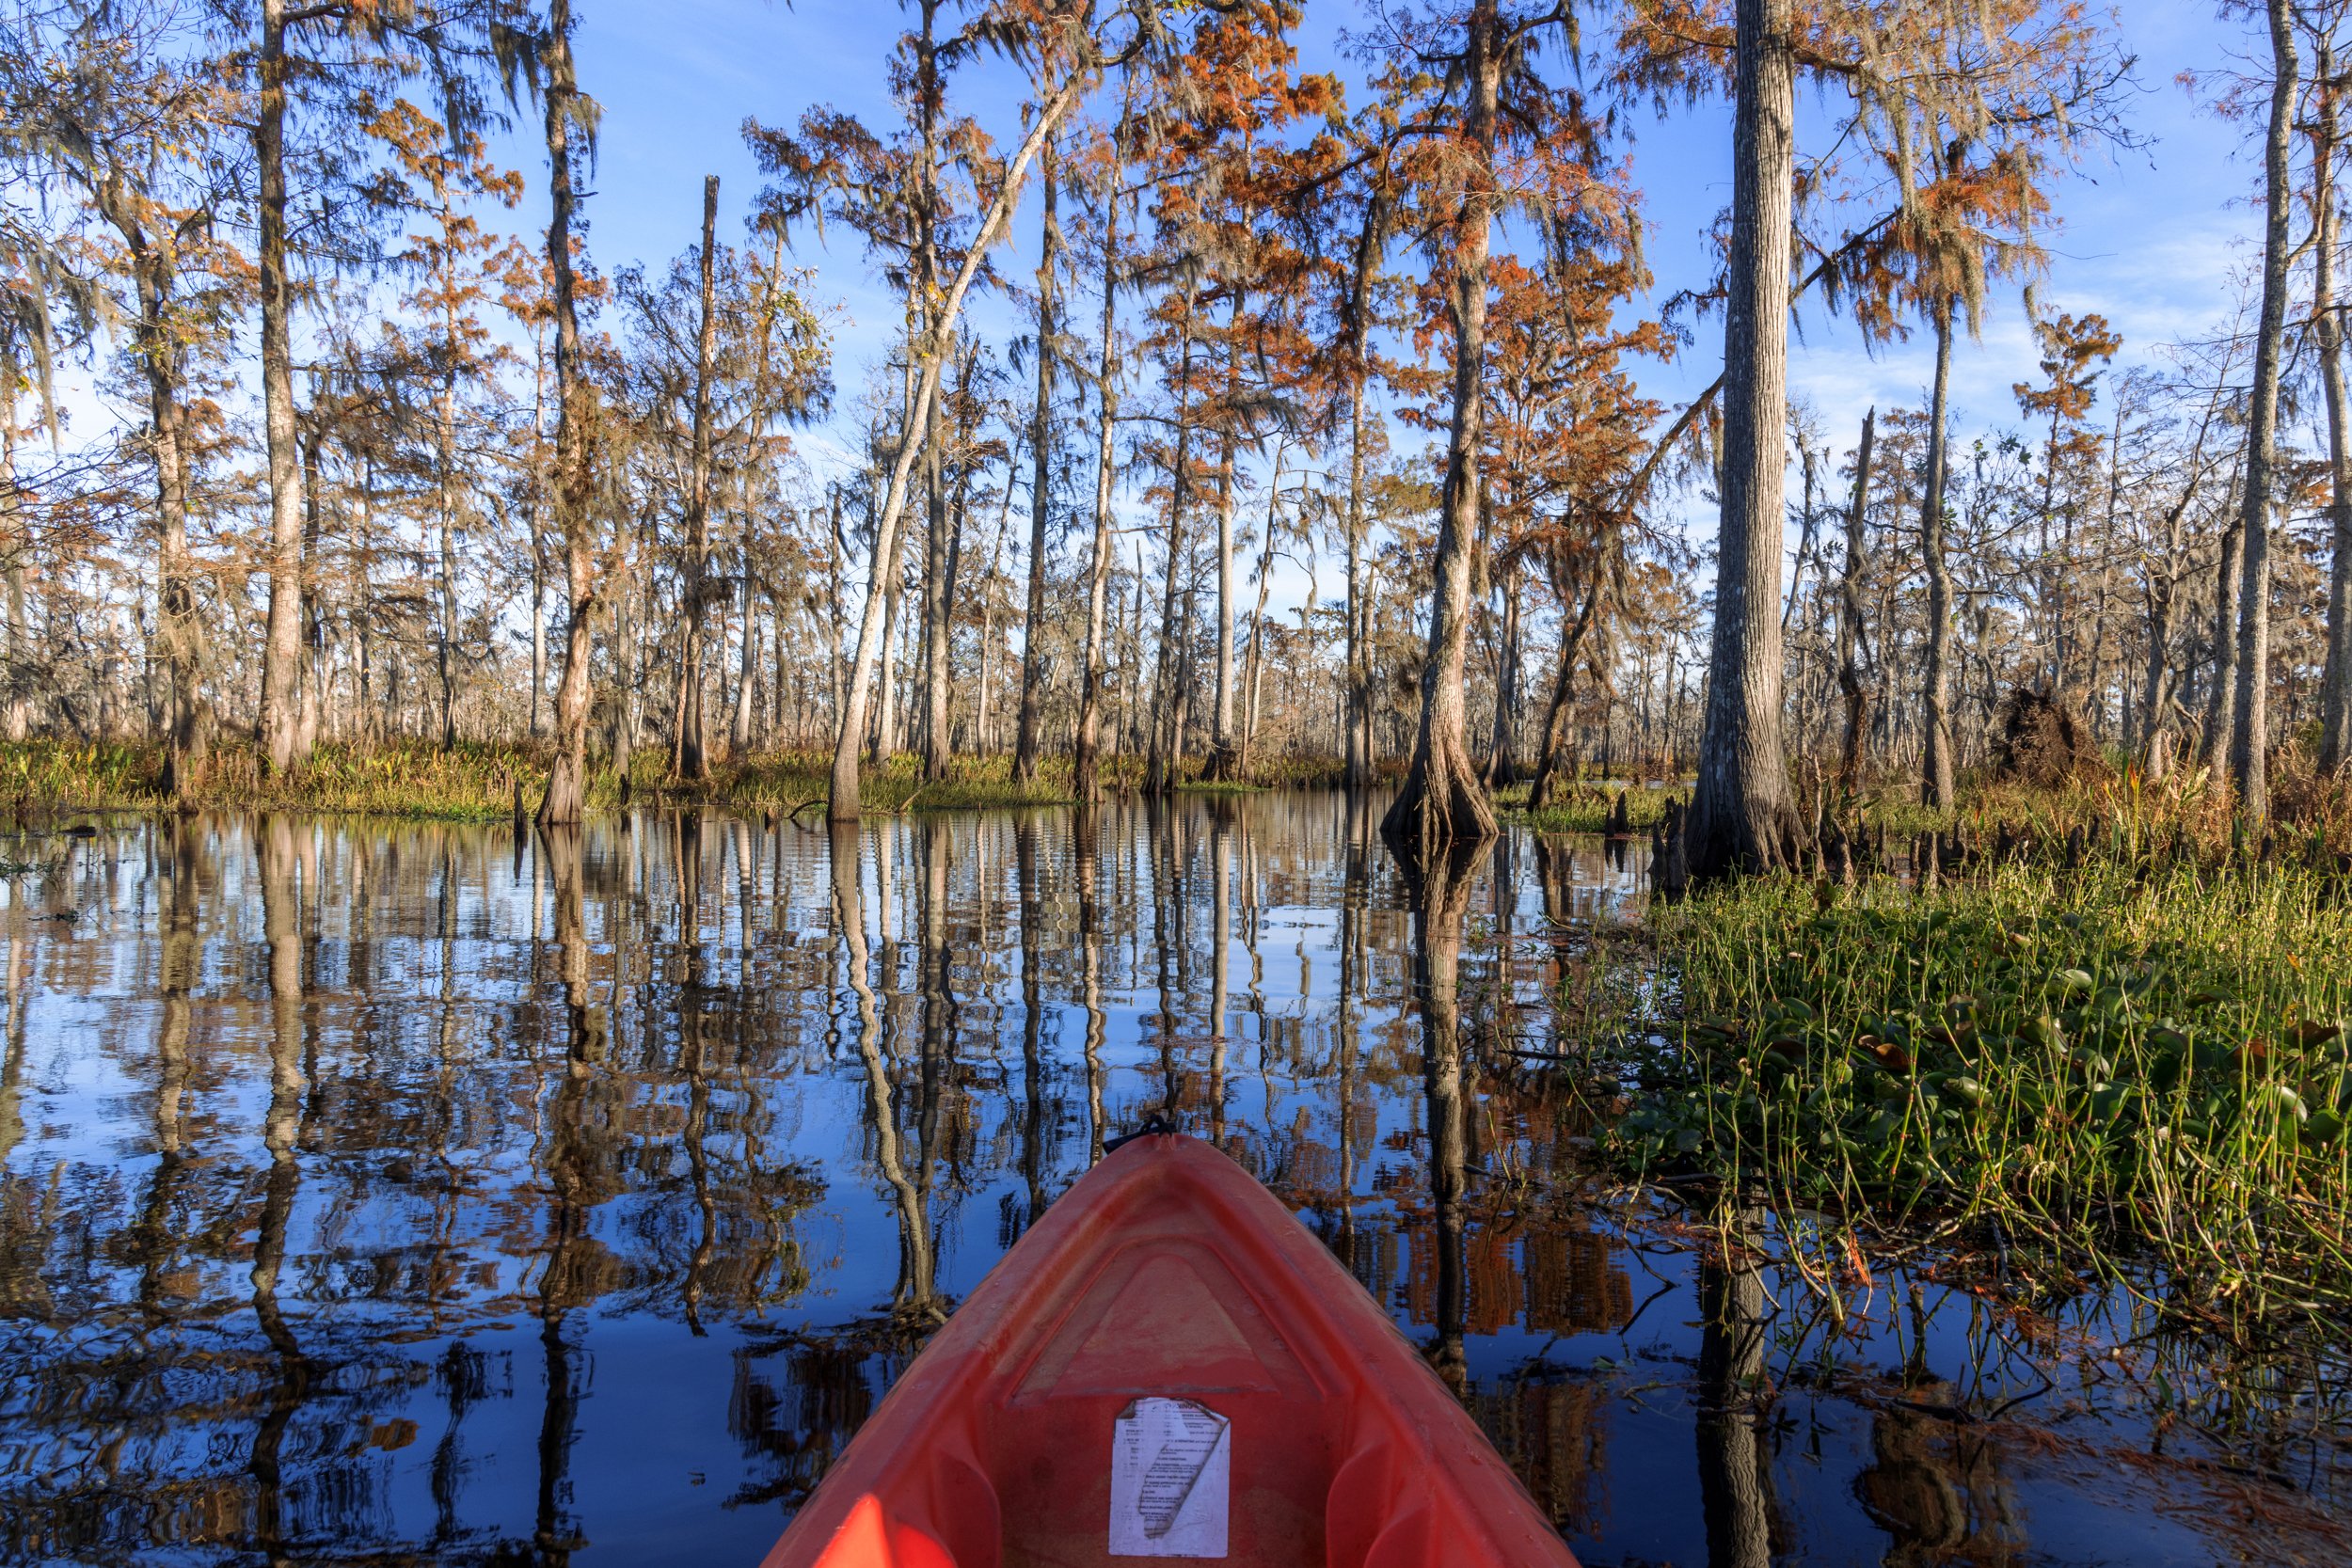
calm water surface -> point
(404, 1195)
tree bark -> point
(1442, 801)
(1850, 613)
(2221, 698)
(282, 647)
(1224, 759)
(177, 633)
(1741, 816)
(1041, 487)
(1085, 781)
(445, 631)
(1936, 760)
(2335, 725)
(1253, 666)
(1160, 763)
(1371, 243)
(445, 504)
(691, 761)
(747, 668)
(1503, 755)
(1539, 793)
(567, 797)
(1358, 697)
(842, 802)
(2162, 587)
(2250, 732)
(939, 601)
(18, 545)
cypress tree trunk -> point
(1935, 762)
(1160, 765)
(2335, 728)
(1850, 613)
(445, 500)
(938, 626)
(746, 670)
(1253, 661)
(281, 646)
(539, 539)
(1224, 760)
(445, 517)
(1741, 816)
(567, 779)
(1539, 793)
(1370, 243)
(1041, 490)
(1442, 801)
(12, 500)
(2250, 732)
(690, 760)
(1358, 697)
(180, 635)
(621, 658)
(2221, 698)
(1502, 757)
(1087, 785)
(842, 804)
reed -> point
(2142, 1050)
(1585, 808)
(397, 779)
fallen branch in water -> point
(792, 813)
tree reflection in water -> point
(425, 1194)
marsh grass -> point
(782, 780)
(2140, 1052)
(475, 781)
(397, 779)
(1586, 809)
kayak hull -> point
(1167, 1294)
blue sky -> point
(2158, 239)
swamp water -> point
(399, 1193)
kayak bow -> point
(1168, 1365)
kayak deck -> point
(1264, 1410)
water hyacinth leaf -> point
(1964, 1089)
(1885, 1054)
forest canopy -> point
(1262, 394)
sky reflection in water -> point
(398, 1194)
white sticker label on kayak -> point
(1171, 1480)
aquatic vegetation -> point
(1584, 809)
(402, 778)
(473, 781)
(2134, 1051)
(784, 779)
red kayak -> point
(1168, 1365)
